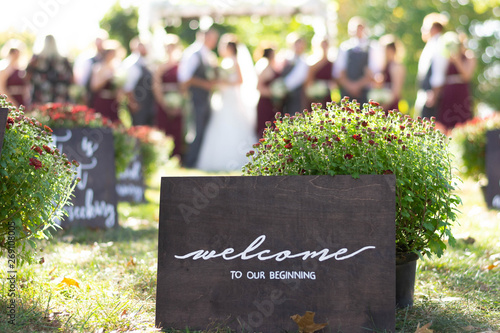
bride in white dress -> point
(229, 134)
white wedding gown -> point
(230, 132)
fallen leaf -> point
(68, 282)
(492, 266)
(306, 323)
(469, 328)
(124, 313)
(424, 329)
(131, 262)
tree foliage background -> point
(479, 19)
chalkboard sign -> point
(493, 169)
(94, 202)
(3, 123)
(130, 183)
(249, 252)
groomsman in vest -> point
(432, 66)
(295, 74)
(359, 59)
(197, 74)
(139, 85)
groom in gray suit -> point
(197, 73)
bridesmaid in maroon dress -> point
(320, 79)
(103, 85)
(267, 73)
(12, 79)
(393, 75)
(169, 97)
(455, 103)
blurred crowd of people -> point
(228, 99)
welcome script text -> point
(228, 254)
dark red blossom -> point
(262, 140)
(47, 149)
(348, 156)
(388, 172)
(37, 149)
(404, 147)
(401, 127)
(268, 123)
(337, 139)
(290, 160)
(357, 137)
(288, 146)
(256, 145)
(75, 163)
(364, 123)
(47, 128)
(287, 140)
(36, 163)
(371, 142)
(10, 120)
(373, 103)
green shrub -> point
(348, 140)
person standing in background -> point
(455, 105)
(50, 75)
(103, 87)
(432, 66)
(84, 64)
(12, 77)
(320, 78)
(197, 74)
(168, 95)
(138, 86)
(358, 61)
(392, 78)
(294, 75)
(266, 75)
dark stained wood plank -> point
(293, 213)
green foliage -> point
(469, 143)
(404, 19)
(347, 140)
(121, 24)
(58, 115)
(154, 146)
(36, 183)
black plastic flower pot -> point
(406, 268)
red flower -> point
(371, 142)
(401, 127)
(10, 121)
(357, 137)
(388, 172)
(373, 103)
(75, 163)
(348, 156)
(262, 140)
(287, 140)
(288, 146)
(256, 145)
(290, 160)
(37, 149)
(47, 148)
(337, 139)
(47, 128)
(364, 123)
(36, 163)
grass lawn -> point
(116, 273)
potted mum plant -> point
(36, 182)
(57, 115)
(346, 139)
(469, 144)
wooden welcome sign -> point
(3, 122)
(130, 183)
(94, 202)
(249, 252)
(493, 169)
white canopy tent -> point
(321, 14)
